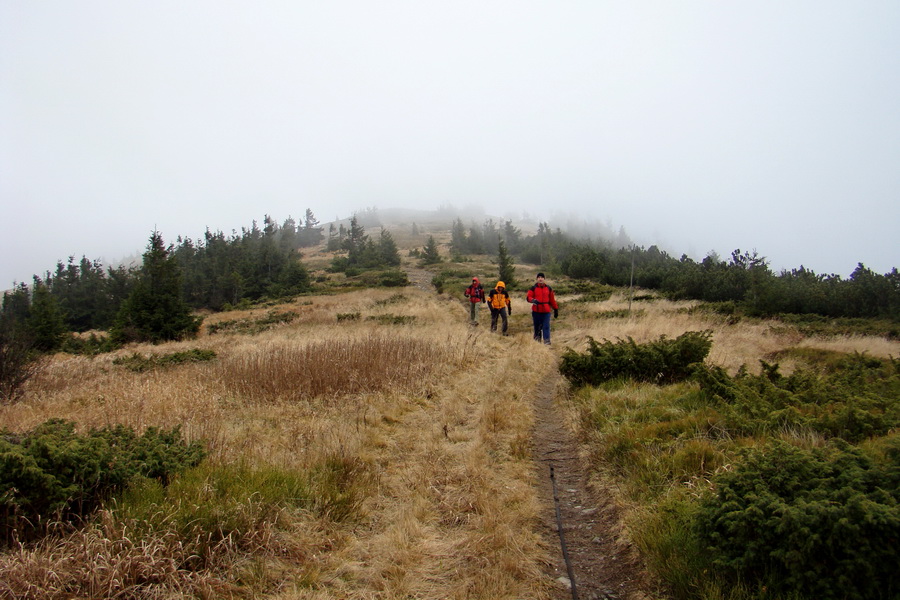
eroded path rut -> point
(603, 564)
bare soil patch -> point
(419, 277)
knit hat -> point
(539, 275)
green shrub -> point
(661, 361)
(354, 316)
(90, 346)
(139, 363)
(53, 473)
(394, 299)
(817, 325)
(728, 308)
(438, 281)
(253, 326)
(232, 500)
(390, 319)
(375, 277)
(822, 523)
(450, 279)
(850, 397)
(392, 279)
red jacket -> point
(543, 293)
(475, 293)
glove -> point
(555, 312)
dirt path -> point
(603, 566)
(419, 278)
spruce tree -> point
(18, 359)
(355, 242)
(311, 221)
(512, 235)
(388, 254)
(430, 253)
(155, 310)
(310, 234)
(458, 239)
(45, 320)
(334, 241)
(505, 266)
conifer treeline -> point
(214, 272)
(219, 270)
(363, 253)
(745, 279)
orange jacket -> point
(498, 299)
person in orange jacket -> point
(543, 304)
(500, 305)
(475, 294)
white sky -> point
(699, 125)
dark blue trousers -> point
(541, 326)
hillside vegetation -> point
(363, 441)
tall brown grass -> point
(331, 368)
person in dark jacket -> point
(500, 305)
(475, 294)
(543, 304)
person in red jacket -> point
(475, 294)
(543, 304)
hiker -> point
(543, 302)
(475, 294)
(500, 305)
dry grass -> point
(333, 368)
(434, 416)
(110, 558)
(734, 345)
(459, 506)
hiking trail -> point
(605, 566)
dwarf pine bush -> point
(853, 399)
(811, 510)
(822, 523)
(138, 363)
(51, 472)
(660, 361)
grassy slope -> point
(436, 457)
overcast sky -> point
(703, 125)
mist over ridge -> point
(579, 225)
